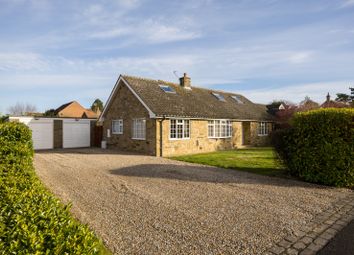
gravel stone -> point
(307, 240)
(277, 249)
(292, 251)
(299, 246)
(314, 247)
(148, 205)
(284, 243)
(291, 238)
(320, 241)
(307, 252)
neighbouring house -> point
(166, 119)
(333, 104)
(75, 110)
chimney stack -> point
(328, 98)
(185, 81)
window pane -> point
(139, 128)
(210, 130)
(172, 128)
(186, 129)
(179, 131)
(217, 128)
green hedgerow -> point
(32, 220)
(320, 146)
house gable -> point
(74, 110)
(125, 106)
(121, 82)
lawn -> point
(256, 160)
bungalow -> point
(166, 119)
(75, 110)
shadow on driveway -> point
(196, 173)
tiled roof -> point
(90, 114)
(62, 107)
(194, 103)
(333, 104)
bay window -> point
(219, 128)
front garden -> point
(318, 147)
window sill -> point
(228, 137)
(176, 139)
(117, 133)
(262, 135)
(141, 139)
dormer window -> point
(167, 89)
(219, 96)
(237, 99)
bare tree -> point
(22, 109)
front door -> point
(246, 133)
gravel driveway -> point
(147, 205)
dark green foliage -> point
(32, 220)
(3, 118)
(320, 146)
(97, 105)
(346, 98)
(49, 113)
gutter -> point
(161, 133)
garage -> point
(50, 133)
(42, 133)
(76, 133)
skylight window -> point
(219, 96)
(167, 89)
(237, 99)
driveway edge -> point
(319, 231)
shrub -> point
(320, 146)
(32, 220)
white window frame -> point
(119, 127)
(185, 125)
(220, 128)
(263, 128)
(139, 123)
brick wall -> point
(127, 107)
(199, 141)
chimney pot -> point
(185, 81)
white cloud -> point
(156, 32)
(347, 3)
(297, 92)
(300, 57)
(22, 62)
(113, 33)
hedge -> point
(319, 147)
(32, 220)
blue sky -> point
(52, 52)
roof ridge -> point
(177, 84)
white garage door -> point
(42, 133)
(76, 133)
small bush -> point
(32, 220)
(320, 146)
